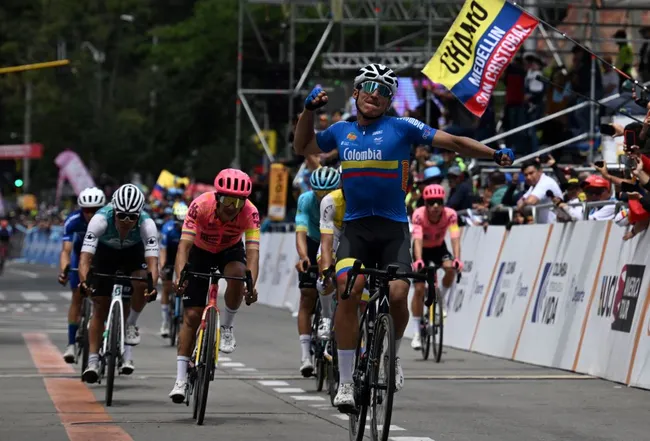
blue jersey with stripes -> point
(375, 161)
(308, 215)
(74, 229)
(170, 234)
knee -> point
(192, 316)
(307, 299)
(418, 289)
(399, 291)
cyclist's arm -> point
(302, 221)
(64, 257)
(454, 232)
(96, 228)
(304, 139)
(466, 147)
(327, 211)
(163, 247)
(252, 241)
(188, 234)
(418, 235)
(149, 235)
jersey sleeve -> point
(302, 216)
(326, 139)
(416, 132)
(69, 226)
(149, 235)
(192, 220)
(252, 229)
(164, 233)
(327, 211)
(96, 228)
(418, 222)
(454, 230)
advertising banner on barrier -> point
(278, 183)
(504, 306)
(479, 252)
(556, 310)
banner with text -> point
(72, 169)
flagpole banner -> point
(480, 44)
(72, 168)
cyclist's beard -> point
(366, 117)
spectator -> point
(539, 185)
(534, 95)
(515, 111)
(414, 199)
(498, 185)
(625, 58)
(610, 78)
(644, 55)
(461, 193)
(598, 189)
(422, 160)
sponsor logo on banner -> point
(503, 285)
(619, 296)
(464, 287)
(550, 288)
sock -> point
(227, 317)
(326, 305)
(181, 367)
(443, 293)
(72, 332)
(133, 318)
(93, 358)
(346, 364)
(398, 343)
(305, 346)
(415, 324)
(164, 310)
(127, 352)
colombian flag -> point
(477, 49)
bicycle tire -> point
(438, 327)
(111, 356)
(333, 369)
(83, 329)
(206, 363)
(425, 334)
(383, 327)
(357, 421)
(317, 349)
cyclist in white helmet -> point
(120, 236)
(90, 200)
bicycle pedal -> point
(348, 410)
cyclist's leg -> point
(446, 259)
(74, 310)
(308, 294)
(417, 302)
(194, 300)
(133, 262)
(231, 262)
(352, 246)
(167, 275)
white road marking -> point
(289, 390)
(19, 309)
(341, 416)
(30, 274)
(3, 309)
(66, 294)
(307, 398)
(410, 438)
(36, 309)
(51, 309)
(273, 383)
(225, 359)
(232, 364)
(320, 406)
(34, 296)
(245, 369)
(2, 296)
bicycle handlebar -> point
(123, 277)
(390, 273)
(187, 271)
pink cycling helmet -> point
(433, 191)
(233, 182)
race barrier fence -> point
(571, 296)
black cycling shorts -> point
(109, 260)
(376, 241)
(436, 255)
(168, 269)
(202, 261)
(309, 278)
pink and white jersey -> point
(433, 235)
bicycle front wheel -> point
(357, 418)
(113, 349)
(382, 378)
(206, 363)
(82, 333)
(425, 332)
(437, 327)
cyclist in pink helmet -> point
(212, 237)
(430, 225)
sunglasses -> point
(231, 201)
(125, 217)
(432, 202)
(371, 86)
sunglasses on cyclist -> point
(371, 86)
(125, 217)
(432, 202)
(231, 201)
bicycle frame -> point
(116, 298)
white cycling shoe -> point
(399, 375)
(91, 374)
(228, 342)
(306, 368)
(416, 343)
(164, 330)
(126, 368)
(324, 329)
(132, 337)
(178, 392)
(344, 399)
(69, 355)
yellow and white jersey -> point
(332, 210)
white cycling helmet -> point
(91, 198)
(379, 73)
(128, 199)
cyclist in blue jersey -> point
(90, 200)
(323, 181)
(375, 153)
(170, 236)
(5, 236)
(120, 236)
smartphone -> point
(599, 164)
(630, 138)
(607, 129)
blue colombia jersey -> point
(375, 161)
(170, 234)
(74, 230)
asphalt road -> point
(259, 394)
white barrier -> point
(570, 296)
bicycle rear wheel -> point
(357, 419)
(382, 378)
(437, 327)
(175, 322)
(206, 363)
(318, 350)
(425, 333)
(82, 333)
(333, 369)
(113, 349)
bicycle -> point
(317, 346)
(176, 319)
(205, 355)
(112, 349)
(432, 323)
(330, 353)
(376, 324)
(81, 340)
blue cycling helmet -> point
(431, 172)
(325, 178)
